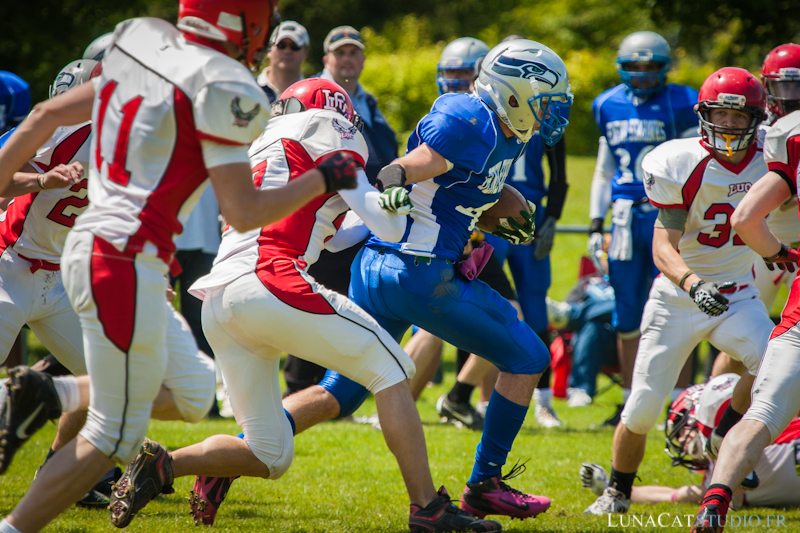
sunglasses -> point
(283, 45)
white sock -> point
(5, 527)
(626, 393)
(543, 397)
(68, 392)
(675, 393)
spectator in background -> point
(344, 61)
(289, 48)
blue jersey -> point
(463, 130)
(6, 136)
(633, 128)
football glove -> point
(709, 298)
(395, 200)
(784, 259)
(545, 234)
(340, 172)
(593, 477)
(518, 233)
(595, 247)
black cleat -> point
(461, 413)
(147, 476)
(100, 495)
(30, 402)
(442, 515)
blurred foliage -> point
(404, 40)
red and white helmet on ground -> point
(693, 416)
(245, 23)
(316, 93)
(780, 74)
(730, 88)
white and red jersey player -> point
(686, 175)
(32, 235)
(259, 301)
(165, 111)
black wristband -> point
(596, 226)
(391, 176)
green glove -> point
(518, 233)
(395, 200)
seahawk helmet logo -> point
(242, 118)
(526, 69)
(345, 131)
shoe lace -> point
(517, 470)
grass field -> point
(344, 479)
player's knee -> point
(276, 455)
(642, 411)
(773, 417)
(195, 400)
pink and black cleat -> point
(494, 497)
(442, 515)
(206, 497)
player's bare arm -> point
(667, 258)
(71, 107)
(749, 218)
(422, 163)
(28, 180)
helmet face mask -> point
(685, 436)
(651, 49)
(521, 81)
(459, 57)
(780, 73)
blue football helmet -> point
(465, 53)
(15, 100)
(644, 46)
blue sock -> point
(503, 421)
(291, 421)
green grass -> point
(344, 479)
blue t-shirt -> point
(463, 130)
(633, 128)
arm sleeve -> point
(449, 136)
(351, 232)
(231, 112)
(216, 154)
(363, 200)
(557, 188)
(604, 169)
(672, 219)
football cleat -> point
(442, 515)
(751, 481)
(206, 497)
(147, 476)
(713, 443)
(611, 501)
(493, 496)
(613, 420)
(546, 417)
(593, 477)
(710, 519)
(31, 400)
(460, 413)
(100, 495)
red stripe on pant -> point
(283, 280)
(113, 275)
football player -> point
(415, 281)
(706, 291)
(776, 391)
(172, 108)
(634, 117)
(260, 278)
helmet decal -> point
(521, 68)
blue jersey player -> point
(459, 157)
(634, 117)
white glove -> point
(594, 477)
(596, 253)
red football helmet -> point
(730, 88)
(246, 23)
(693, 416)
(316, 93)
(780, 73)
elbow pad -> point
(391, 176)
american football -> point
(509, 205)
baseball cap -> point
(290, 29)
(340, 36)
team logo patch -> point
(736, 188)
(242, 118)
(344, 130)
(521, 68)
(649, 180)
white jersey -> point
(782, 148)
(291, 145)
(683, 174)
(783, 222)
(161, 98)
(36, 224)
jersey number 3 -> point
(116, 169)
(723, 230)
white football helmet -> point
(72, 75)
(97, 48)
(520, 78)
